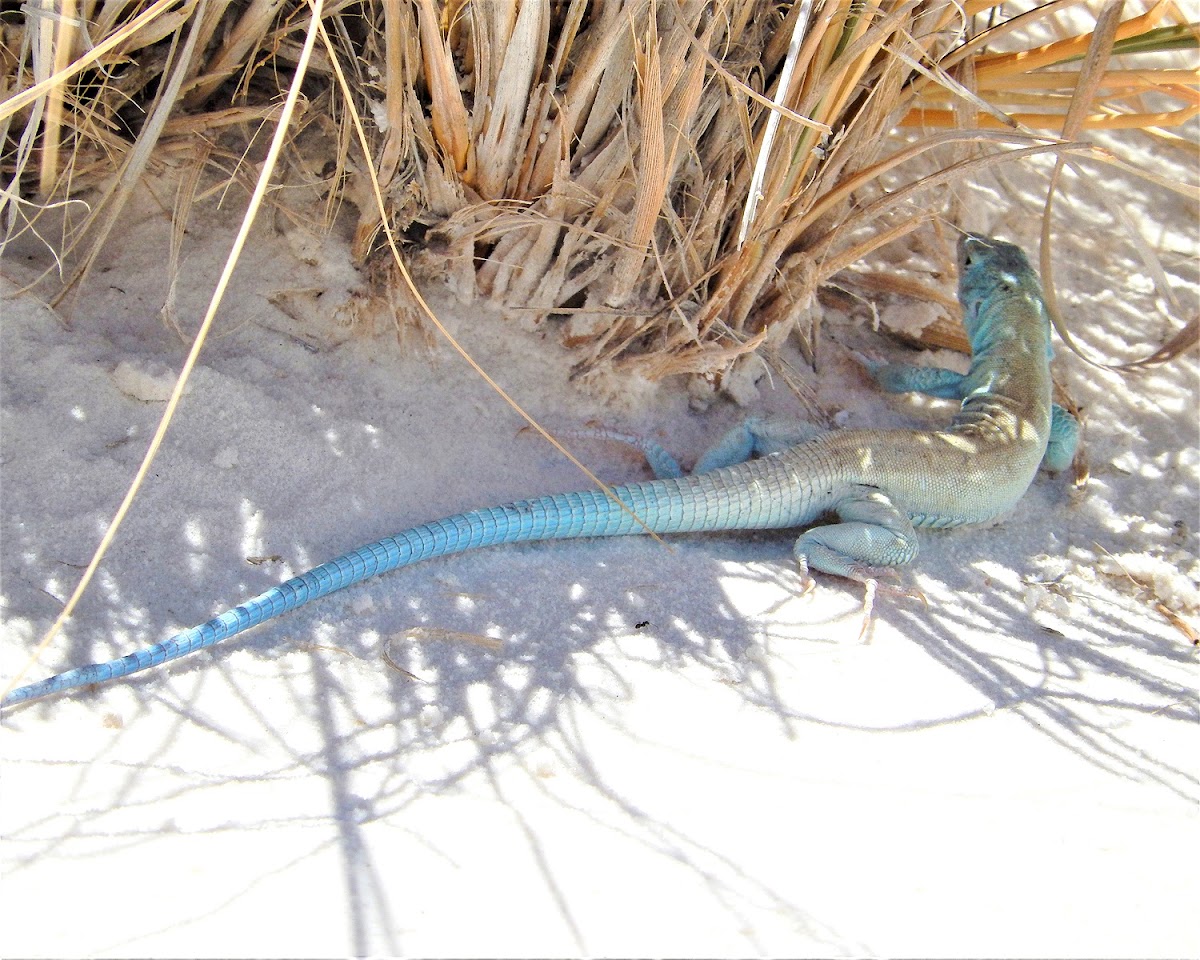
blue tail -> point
(660, 506)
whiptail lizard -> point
(880, 484)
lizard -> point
(879, 485)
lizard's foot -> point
(868, 617)
(874, 581)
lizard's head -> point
(989, 268)
(984, 263)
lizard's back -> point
(983, 462)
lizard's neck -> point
(1009, 324)
(1008, 386)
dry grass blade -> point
(448, 114)
(1012, 83)
(652, 183)
(799, 30)
(62, 43)
(1064, 50)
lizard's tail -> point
(707, 502)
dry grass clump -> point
(669, 181)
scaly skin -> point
(880, 483)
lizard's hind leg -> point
(756, 437)
(873, 537)
(662, 464)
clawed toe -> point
(808, 582)
(874, 585)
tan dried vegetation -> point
(667, 181)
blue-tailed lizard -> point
(880, 484)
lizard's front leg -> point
(948, 385)
(909, 378)
(1064, 438)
